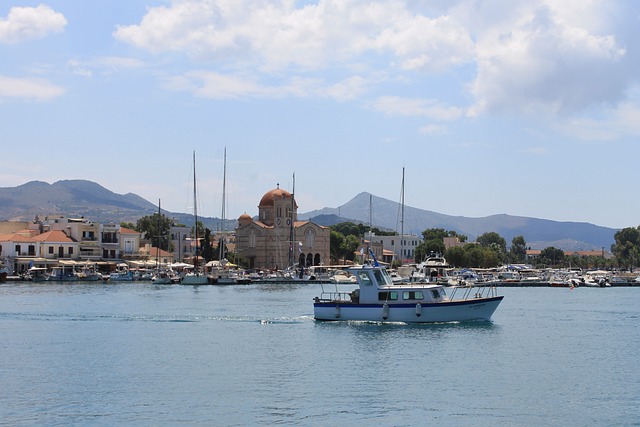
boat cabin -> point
(375, 286)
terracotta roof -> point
(53, 236)
(153, 252)
(124, 230)
(15, 237)
(271, 195)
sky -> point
(520, 107)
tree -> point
(336, 243)
(627, 246)
(518, 251)
(207, 252)
(495, 242)
(156, 229)
(456, 256)
(551, 256)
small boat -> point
(63, 273)
(163, 277)
(378, 299)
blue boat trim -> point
(409, 305)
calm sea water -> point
(139, 354)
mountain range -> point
(81, 198)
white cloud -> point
(619, 122)
(518, 56)
(433, 130)
(548, 61)
(23, 23)
(276, 35)
(104, 65)
(395, 105)
(29, 88)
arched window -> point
(316, 259)
(310, 238)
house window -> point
(51, 249)
(70, 250)
(252, 239)
(18, 249)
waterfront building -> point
(86, 233)
(400, 248)
(26, 249)
(182, 244)
(276, 239)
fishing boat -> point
(378, 299)
(195, 276)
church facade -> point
(276, 239)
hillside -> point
(538, 233)
(80, 198)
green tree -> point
(207, 252)
(495, 242)
(156, 229)
(350, 246)
(336, 243)
(552, 256)
(456, 256)
(627, 246)
(518, 250)
(129, 225)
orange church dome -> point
(271, 196)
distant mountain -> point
(80, 198)
(538, 233)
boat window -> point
(412, 295)
(388, 296)
(364, 278)
(435, 293)
(382, 277)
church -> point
(276, 239)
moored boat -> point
(378, 299)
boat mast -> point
(159, 237)
(221, 244)
(402, 219)
(291, 233)
(195, 215)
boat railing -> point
(473, 291)
(334, 297)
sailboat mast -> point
(159, 237)
(291, 229)
(195, 213)
(402, 220)
(221, 244)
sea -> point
(138, 354)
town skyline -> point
(529, 108)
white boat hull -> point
(472, 309)
(195, 279)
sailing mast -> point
(291, 229)
(222, 242)
(402, 220)
(159, 238)
(195, 215)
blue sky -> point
(528, 108)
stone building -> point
(276, 239)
